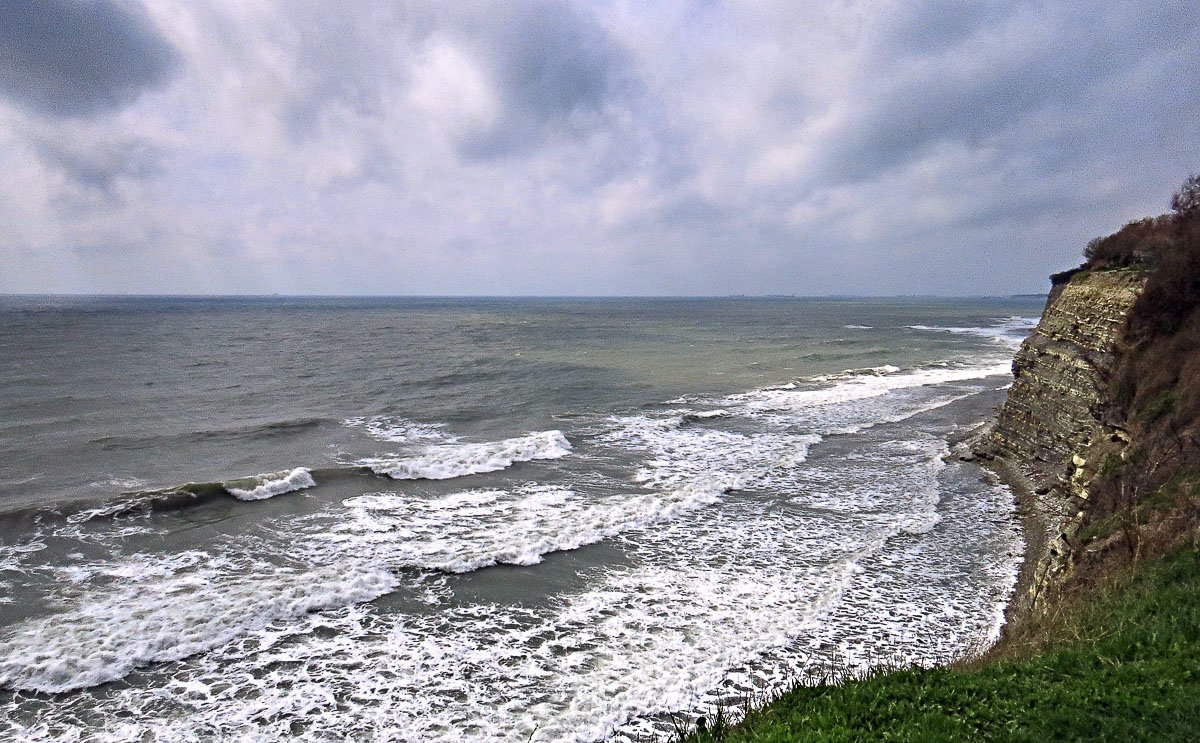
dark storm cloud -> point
(77, 57)
(555, 70)
(966, 75)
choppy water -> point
(422, 520)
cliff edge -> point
(1058, 407)
(1100, 433)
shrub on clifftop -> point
(1155, 385)
(1186, 202)
(1152, 241)
(1140, 242)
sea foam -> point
(151, 618)
(715, 604)
(400, 430)
(1008, 331)
(854, 400)
(467, 531)
(709, 602)
(445, 461)
(270, 484)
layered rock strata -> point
(1061, 373)
(1054, 420)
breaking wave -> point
(1008, 331)
(271, 484)
(467, 531)
(146, 618)
(445, 461)
(834, 547)
(858, 399)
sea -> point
(451, 519)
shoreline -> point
(1035, 527)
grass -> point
(1121, 663)
(1159, 405)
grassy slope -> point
(1120, 664)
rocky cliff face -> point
(1061, 373)
(1054, 419)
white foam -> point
(844, 559)
(120, 483)
(400, 430)
(1008, 331)
(467, 531)
(13, 558)
(857, 327)
(154, 608)
(445, 461)
(700, 457)
(270, 484)
(108, 509)
(161, 615)
(137, 567)
(838, 407)
(706, 414)
(714, 603)
(717, 603)
(871, 371)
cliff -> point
(1101, 429)
(1059, 408)
(1062, 371)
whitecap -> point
(1008, 331)
(463, 532)
(856, 386)
(445, 461)
(400, 430)
(270, 484)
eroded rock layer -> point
(1053, 422)
(1061, 373)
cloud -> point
(941, 72)
(615, 146)
(554, 71)
(99, 165)
(79, 57)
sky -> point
(615, 147)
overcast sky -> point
(609, 147)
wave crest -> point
(446, 461)
(270, 484)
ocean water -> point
(500, 520)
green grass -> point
(1159, 405)
(1120, 664)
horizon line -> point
(167, 295)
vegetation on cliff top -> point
(1153, 389)
(1155, 385)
